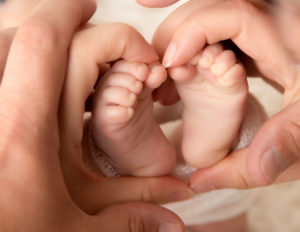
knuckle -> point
(239, 181)
(147, 196)
(136, 224)
(38, 35)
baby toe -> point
(118, 96)
(235, 78)
(124, 80)
(223, 62)
(209, 54)
(139, 70)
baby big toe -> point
(234, 78)
(124, 80)
(115, 115)
(118, 96)
(223, 62)
(207, 58)
(139, 70)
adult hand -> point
(251, 27)
(34, 196)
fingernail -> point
(169, 227)
(169, 55)
(273, 163)
(203, 187)
(182, 195)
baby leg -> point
(124, 127)
(214, 101)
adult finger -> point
(100, 192)
(241, 21)
(231, 172)
(241, 171)
(168, 27)
(132, 217)
(156, 3)
(29, 97)
(39, 50)
(270, 155)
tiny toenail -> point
(205, 62)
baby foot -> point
(123, 123)
(214, 100)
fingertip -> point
(170, 53)
(271, 155)
(184, 46)
(264, 153)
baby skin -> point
(213, 90)
(123, 123)
(213, 97)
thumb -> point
(132, 217)
(275, 147)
